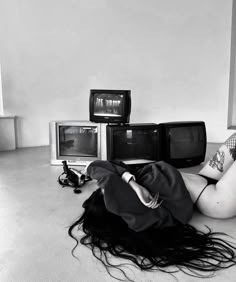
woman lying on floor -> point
(143, 215)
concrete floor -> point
(35, 213)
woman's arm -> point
(103, 171)
(222, 160)
(144, 195)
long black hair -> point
(194, 252)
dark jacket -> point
(121, 200)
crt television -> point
(109, 106)
(133, 144)
(77, 142)
(183, 143)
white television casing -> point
(56, 158)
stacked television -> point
(108, 135)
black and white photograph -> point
(117, 140)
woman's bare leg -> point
(219, 201)
(217, 166)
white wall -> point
(173, 55)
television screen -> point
(133, 143)
(183, 143)
(186, 142)
(78, 141)
(109, 106)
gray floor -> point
(34, 214)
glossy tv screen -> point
(109, 106)
(78, 141)
(133, 143)
(183, 143)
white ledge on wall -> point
(232, 78)
(8, 133)
(1, 99)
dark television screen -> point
(130, 144)
(186, 142)
(106, 104)
(136, 143)
(78, 141)
(183, 143)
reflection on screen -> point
(78, 141)
(186, 142)
(135, 144)
(108, 104)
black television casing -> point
(183, 144)
(103, 117)
(133, 141)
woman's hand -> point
(145, 196)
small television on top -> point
(133, 144)
(109, 106)
(77, 142)
(183, 143)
